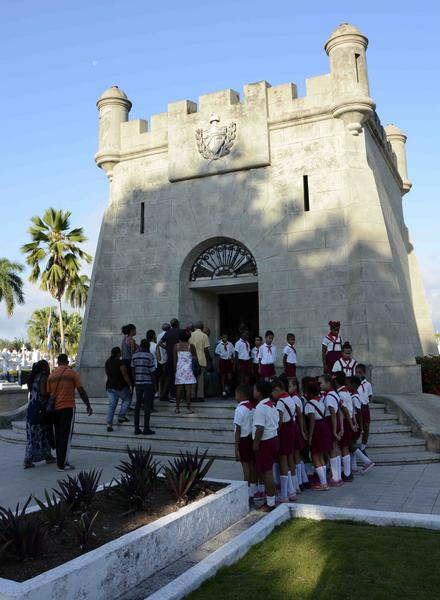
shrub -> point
(430, 366)
(140, 459)
(89, 481)
(53, 511)
(83, 529)
(78, 492)
(186, 471)
(21, 537)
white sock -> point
(270, 500)
(363, 446)
(334, 468)
(291, 487)
(339, 467)
(346, 462)
(354, 465)
(260, 488)
(276, 472)
(296, 484)
(322, 475)
(252, 487)
(298, 474)
(361, 456)
(309, 469)
(284, 479)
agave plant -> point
(53, 510)
(89, 481)
(83, 529)
(185, 471)
(69, 492)
(20, 536)
(140, 460)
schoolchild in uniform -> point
(331, 346)
(287, 412)
(333, 416)
(243, 419)
(346, 362)
(266, 443)
(243, 358)
(349, 424)
(289, 356)
(255, 354)
(225, 352)
(365, 392)
(268, 357)
(300, 434)
(309, 469)
(319, 434)
(353, 384)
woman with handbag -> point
(37, 423)
(187, 369)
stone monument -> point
(276, 210)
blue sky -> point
(57, 57)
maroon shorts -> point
(255, 372)
(290, 370)
(267, 370)
(244, 367)
(299, 443)
(287, 438)
(267, 454)
(245, 449)
(224, 366)
(365, 410)
(322, 438)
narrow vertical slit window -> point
(142, 228)
(306, 193)
(357, 58)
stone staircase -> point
(211, 428)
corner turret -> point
(397, 139)
(352, 103)
(113, 107)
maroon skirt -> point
(322, 438)
(299, 442)
(267, 454)
(244, 366)
(267, 370)
(290, 370)
(330, 358)
(347, 436)
(330, 426)
(224, 366)
(245, 449)
(287, 438)
(365, 410)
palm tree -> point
(37, 329)
(78, 291)
(59, 248)
(73, 328)
(11, 284)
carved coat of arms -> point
(216, 141)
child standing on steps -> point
(266, 443)
(268, 357)
(289, 356)
(346, 362)
(334, 419)
(349, 426)
(353, 384)
(243, 419)
(225, 352)
(255, 354)
(319, 434)
(331, 346)
(243, 357)
(365, 392)
(286, 407)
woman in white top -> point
(184, 353)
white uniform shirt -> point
(225, 351)
(255, 353)
(348, 366)
(315, 407)
(268, 354)
(365, 390)
(283, 402)
(243, 348)
(153, 347)
(243, 417)
(331, 399)
(266, 415)
(298, 402)
(333, 344)
(290, 353)
(346, 400)
(162, 351)
(356, 401)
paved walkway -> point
(407, 488)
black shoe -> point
(109, 428)
(345, 478)
(138, 432)
(148, 432)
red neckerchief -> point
(269, 402)
(334, 339)
(248, 404)
(269, 348)
(284, 395)
(225, 344)
(342, 389)
(245, 342)
(347, 363)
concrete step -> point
(380, 429)
(404, 458)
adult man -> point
(61, 385)
(162, 359)
(168, 342)
(144, 368)
(118, 385)
(200, 341)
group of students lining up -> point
(290, 437)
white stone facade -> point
(348, 257)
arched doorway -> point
(219, 284)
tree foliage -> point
(37, 330)
(11, 284)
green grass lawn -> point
(333, 560)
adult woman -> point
(184, 353)
(128, 347)
(37, 430)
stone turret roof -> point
(113, 92)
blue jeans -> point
(113, 397)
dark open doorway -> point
(236, 309)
